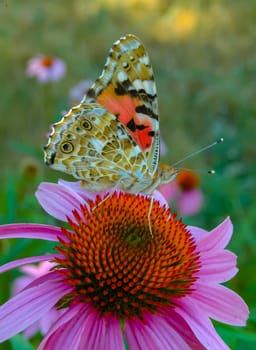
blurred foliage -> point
(204, 59)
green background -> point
(204, 59)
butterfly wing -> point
(127, 89)
(92, 145)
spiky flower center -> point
(47, 61)
(114, 263)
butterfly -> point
(111, 139)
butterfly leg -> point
(149, 213)
(104, 199)
(111, 192)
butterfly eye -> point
(86, 124)
(66, 147)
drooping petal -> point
(20, 262)
(221, 304)
(58, 201)
(19, 283)
(200, 325)
(218, 266)
(29, 305)
(113, 335)
(45, 323)
(32, 272)
(153, 332)
(101, 333)
(81, 327)
(160, 198)
(218, 238)
(84, 194)
(37, 231)
(182, 328)
(67, 330)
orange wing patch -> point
(124, 107)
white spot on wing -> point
(145, 60)
(150, 87)
(122, 76)
(147, 85)
(138, 84)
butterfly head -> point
(166, 173)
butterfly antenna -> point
(200, 151)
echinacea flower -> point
(184, 191)
(46, 68)
(116, 280)
(31, 272)
(163, 147)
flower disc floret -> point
(113, 262)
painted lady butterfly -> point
(111, 139)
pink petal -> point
(37, 231)
(43, 73)
(51, 276)
(57, 71)
(190, 202)
(28, 306)
(79, 91)
(81, 327)
(20, 283)
(153, 332)
(101, 333)
(163, 147)
(221, 304)
(181, 327)
(31, 330)
(84, 194)
(169, 190)
(17, 263)
(198, 232)
(200, 325)
(218, 238)
(160, 198)
(38, 270)
(218, 267)
(113, 334)
(78, 189)
(46, 322)
(66, 332)
(58, 201)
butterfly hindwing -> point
(127, 89)
(92, 145)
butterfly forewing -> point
(126, 88)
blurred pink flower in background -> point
(32, 272)
(46, 68)
(184, 191)
(163, 147)
(115, 280)
(78, 92)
